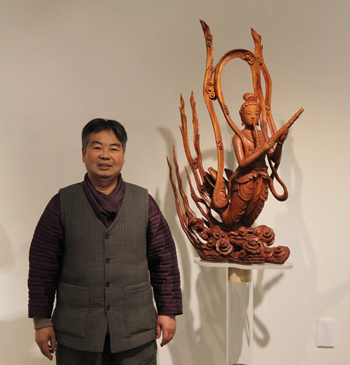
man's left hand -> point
(166, 324)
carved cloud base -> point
(245, 245)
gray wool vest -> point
(104, 275)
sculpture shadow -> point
(261, 288)
(312, 303)
(260, 332)
(202, 327)
(6, 254)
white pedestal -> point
(239, 308)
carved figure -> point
(230, 204)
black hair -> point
(99, 124)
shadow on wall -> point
(260, 331)
(200, 336)
(311, 303)
(283, 222)
(17, 346)
(6, 255)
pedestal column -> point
(239, 317)
(239, 308)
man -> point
(102, 245)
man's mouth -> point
(104, 166)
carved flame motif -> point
(230, 205)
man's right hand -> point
(46, 340)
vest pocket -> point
(139, 312)
(72, 308)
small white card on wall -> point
(326, 333)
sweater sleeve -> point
(162, 263)
(44, 261)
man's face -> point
(103, 157)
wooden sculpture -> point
(230, 204)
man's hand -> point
(46, 340)
(166, 324)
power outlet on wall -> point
(326, 333)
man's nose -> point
(104, 154)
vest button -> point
(108, 261)
(108, 284)
(108, 307)
(107, 235)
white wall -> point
(63, 63)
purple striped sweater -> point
(47, 248)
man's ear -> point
(83, 154)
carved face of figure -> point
(251, 115)
(103, 157)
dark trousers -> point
(143, 355)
